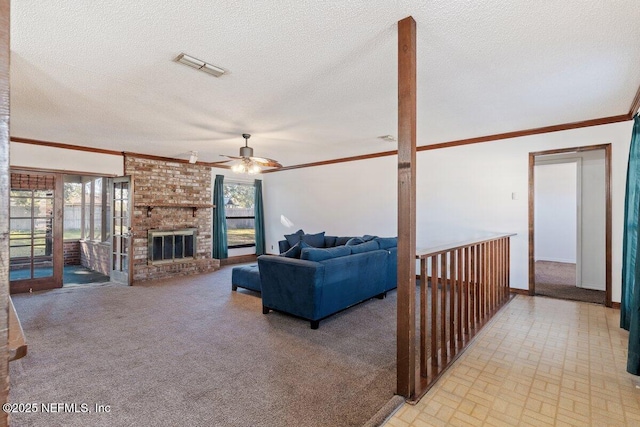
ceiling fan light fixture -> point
(254, 169)
(239, 168)
(247, 163)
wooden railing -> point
(467, 283)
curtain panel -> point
(220, 250)
(630, 298)
(259, 218)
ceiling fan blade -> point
(231, 157)
(266, 162)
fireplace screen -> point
(172, 246)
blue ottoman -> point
(246, 276)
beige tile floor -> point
(539, 362)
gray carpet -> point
(190, 351)
(558, 280)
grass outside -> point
(241, 236)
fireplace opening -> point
(172, 246)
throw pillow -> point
(294, 238)
(387, 242)
(295, 250)
(354, 241)
(368, 237)
(315, 240)
(320, 254)
(365, 247)
(341, 241)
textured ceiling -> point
(311, 80)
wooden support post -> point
(4, 205)
(406, 324)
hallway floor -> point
(539, 362)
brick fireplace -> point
(171, 200)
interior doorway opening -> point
(86, 230)
(570, 224)
(62, 230)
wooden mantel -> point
(194, 207)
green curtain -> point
(259, 221)
(219, 220)
(630, 298)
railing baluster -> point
(434, 310)
(443, 306)
(468, 312)
(423, 317)
(459, 293)
(452, 301)
(493, 282)
(474, 287)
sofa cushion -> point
(387, 242)
(295, 250)
(294, 238)
(364, 247)
(315, 240)
(341, 241)
(354, 241)
(319, 254)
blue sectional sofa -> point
(322, 281)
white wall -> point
(593, 245)
(466, 187)
(64, 160)
(555, 212)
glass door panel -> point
(121, 222)
(31, 233)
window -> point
(86, 209)
(239, 203)
(97, 209)
(72, 210)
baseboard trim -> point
(615, 305)
(560, 260)
(240, 259)
(519, 291)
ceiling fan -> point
(247, 163)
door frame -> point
(54, 281)
(578, 202)
(608, 226)
(129, 252)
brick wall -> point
(95, 256)
(71, 250)
(25, 181)
(155, 183)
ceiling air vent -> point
(192, 62)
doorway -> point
(34, 231)
(121, 220)
(570, 224)
(67, 230)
